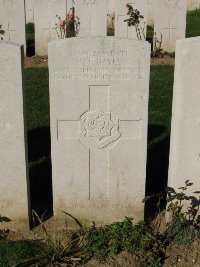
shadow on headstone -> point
(157, 169)
(30, 39)
(41, 198)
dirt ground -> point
(42, 61)
(175, 255)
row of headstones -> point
(99, 90)
(191, 5)
(169, 20)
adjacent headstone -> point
(45, 20)
(29, 6)
(150, 12)
(13, 156)
(12, 19)
(184, 161)
(93, 17)
(99, 109)
(169, 22)
(121, 28)
(193, 4)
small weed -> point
(181, 232)
(65, 248)
(153, 260)
(116, 237)
(183, 225)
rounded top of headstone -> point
(4, 43)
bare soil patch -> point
(175, 255)
(36, 61)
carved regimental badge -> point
(90, 3)
(8, 3)
(172, 3)
(98, 129)
(51, 4)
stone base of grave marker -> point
(99, 102)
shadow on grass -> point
(157, 169)
(30, 47)
(40, 175)
(30, 39)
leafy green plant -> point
(153, 260)
(116, 237)
(181, 231)
(183, 224)
(135, 20)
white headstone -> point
(13, 172)
(93, 17)
(169, 22)
(193, 4)
(30, 6)
(150, 12)
(12, 19)
(45, 20)
(121, 28)
(99, 109)
(184, 161)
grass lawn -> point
(10, 252)
(193, 23)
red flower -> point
(71, 17)
(62, 23)
(127, 5)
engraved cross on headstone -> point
(99, 130)
(169, 29)
(9, 30)
(88, 30)
(129, 32)
(49, 29)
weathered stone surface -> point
(30, 6)
(193, 4)
(98, 104)
(185, 129)
(45, 20)
(13, 172)
(169, 22)
(121, 27)
(150, 12)
(12, 19)
(93, 17)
